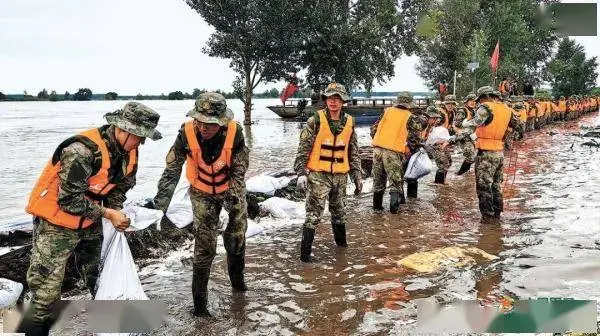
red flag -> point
(289, 91)
(495, 57)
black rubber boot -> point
(378, 200)
(200, 291)
(235, 268)
(339, 235)
(411, 188)
(395, 201)
(464, 168)
(308, 235)
(32, 328)
(440, 178)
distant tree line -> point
(84, 94)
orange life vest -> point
(330, 152)
(209, 178)
(490, 137)
(43, 201)
(522, 114)
(562, 106)
(392, 131)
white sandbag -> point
(266, 184)
(9, 292)
(283, 208)
(180, 209)
(253, 229)
(438, 134)
(419, 165)
(118, 274)
(140, 217)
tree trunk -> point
(248, 100)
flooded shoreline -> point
(548, 241)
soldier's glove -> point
(473, 136)
(358, 184)
(302, 182)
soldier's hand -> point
(118, 219)
(358, 184)
(302, 182)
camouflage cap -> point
(470, 96)
(450, 99)
(405, 99)
(336, 89)
(486, 90)
(432, 112)
(137, 119)
(211, 108)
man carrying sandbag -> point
(212, 146)
(85, 180)
(395, 136)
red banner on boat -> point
(289, 91)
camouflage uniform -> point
(488, 164)
(53, 245)
(211, 108)
(466, 145)
(324, 186)
(389, 164)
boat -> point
(364, 110)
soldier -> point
(85, 180)
(521, 110)
(327, 152)
(488, 128)
(466, 145)
(395, 136)
(447, 110)
(213, 148)
(437, 150)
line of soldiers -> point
(89, 174)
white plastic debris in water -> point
(283, 208)
(266, 184)
(118, 275)
(419, 165)
(9, 292)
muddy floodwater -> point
(548, 241)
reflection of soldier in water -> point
(491, 242)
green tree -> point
(83, 94)
(53, 96)
(354, 43)
(196, 93)
(456, 32)
(595, 91)
(570, 71)
(176, 95)
(111, 96)
(260, 38)
(43, 94)
(67, 95)
(139, 96)
(2, 96)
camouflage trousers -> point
(508, 139)
(442, 157)
(52, 247)
(388, 164)
(530, 124)
(206, 209)
(467, 148)
(488, 181)
(322, 187)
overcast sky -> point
(127, 46)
